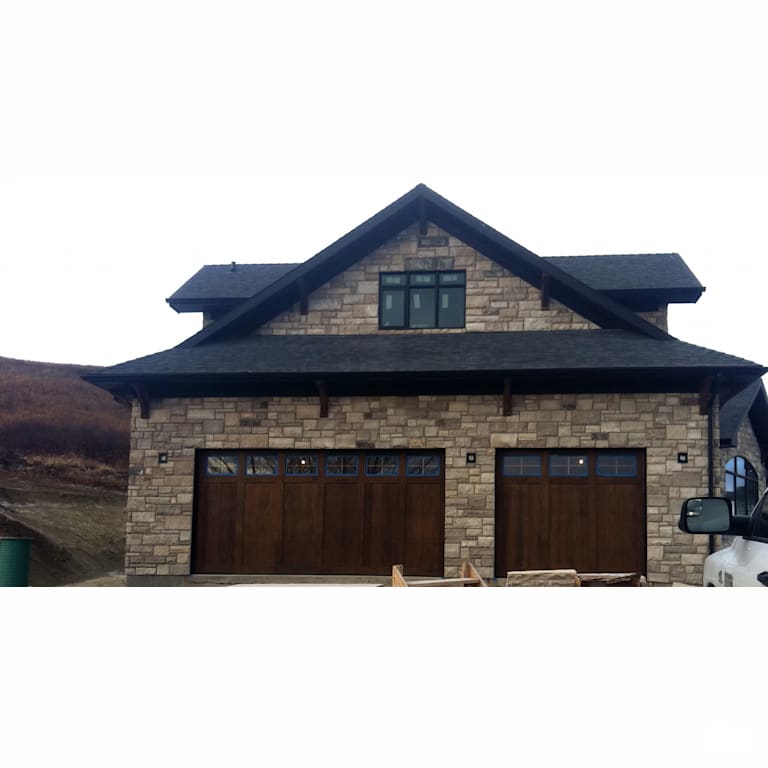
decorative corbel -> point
(422, 217)
(545, 291)
(507, 396)
(706, 393)
(322, 390)
(143, 398)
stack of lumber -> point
(468, 577)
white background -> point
(141, 140)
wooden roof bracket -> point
(706, 395)
(507, 396)
(322, 390)
(544, 290)
(143, 398)
(422, 217)
(303, 296)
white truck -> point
(745, 562)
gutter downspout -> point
(711, 449)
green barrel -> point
(14, 562)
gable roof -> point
(752, 403)
(422, 204)
(628, 278)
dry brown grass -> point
(48, 410)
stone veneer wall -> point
(658, 318)
(496, 300)
(160, 497)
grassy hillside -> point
(47, 410)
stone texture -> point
(495, 299)
(160, 496)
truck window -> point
(761, 521)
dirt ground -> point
(77, 527)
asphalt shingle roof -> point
(452, 353)
(733, 413)
(631, 271)
(221, 281)
(625, 272)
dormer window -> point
(421, 300)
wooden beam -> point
(397, 576)
(303, 297)
(544, 291)
(143, 398)
(507, 396)
(705, 396)
(322, 390)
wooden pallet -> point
(568, 577)
(468, 577)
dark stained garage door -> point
(570, 509)
(319, 512)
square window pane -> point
(301, 464)
(451, 308)
(422, 465)
(258, 465)
(565, 465)
(392, 309)
(451, 278)
(422, 278)
(617, 465)
(382, 465)
(341, 465)
(221, 465)
(422, 308)
(520, 465)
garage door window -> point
(617, 465)
(379, 465)
(261, 465)
(423, 466)
(565, 465)
(521, 466)
(300, 464)
(221, 466)
(341, 465)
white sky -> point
(139, 141)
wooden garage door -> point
(319, 512)
(570, 509)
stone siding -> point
(658, 318)
(160, 497)
(496, 300)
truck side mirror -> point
(705, 515)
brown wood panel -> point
(262, 526)
(424, 528)
(216, 546)
(621, 531)
(302, 526)
(523, 531)
(334, 525)
(589, 523)
(384, 525)
(344, 513)
(572, 519)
